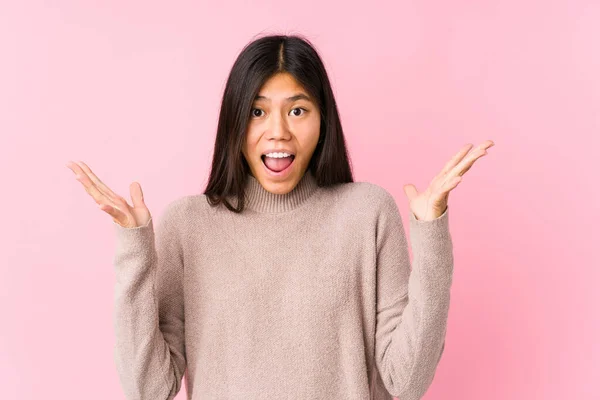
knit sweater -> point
(304, 295)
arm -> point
(149, 349)
(412, 306)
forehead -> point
(282, 87)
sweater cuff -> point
(431, 230)
(138, 240)
(432, 248)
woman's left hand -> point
(432, 203)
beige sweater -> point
(306, 295)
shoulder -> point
(368, 195)
(184, 208)
(363, 203)
(366, 206)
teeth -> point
(277, 155)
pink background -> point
(133, 89)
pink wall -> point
(133, 89)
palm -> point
(433, 201)
(110, 202)
(141, 213)
(430, 203)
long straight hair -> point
(258, 61)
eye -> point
(299, 108)
(253, 112)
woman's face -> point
(283, 119)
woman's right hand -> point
(113, 204)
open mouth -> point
(278, 165)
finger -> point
(460, 156)
(451, 184)
(90, 187)
(118, 216)
(137, 196)
(455, 159)
(466, 164)
(99, 184)
(75, 168)
(410, 191)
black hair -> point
(258, 61)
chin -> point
(276, 187)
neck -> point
(261, 200)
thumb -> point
(137, 196)
(411, 191)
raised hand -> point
(116, 206)
(432, 203)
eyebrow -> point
(299, 96)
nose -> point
(278, 128)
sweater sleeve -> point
(412, 306)
(148, 320)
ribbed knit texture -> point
(306, 295)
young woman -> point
(284, 279)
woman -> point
(284, 279)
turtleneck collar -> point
(261, 200)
